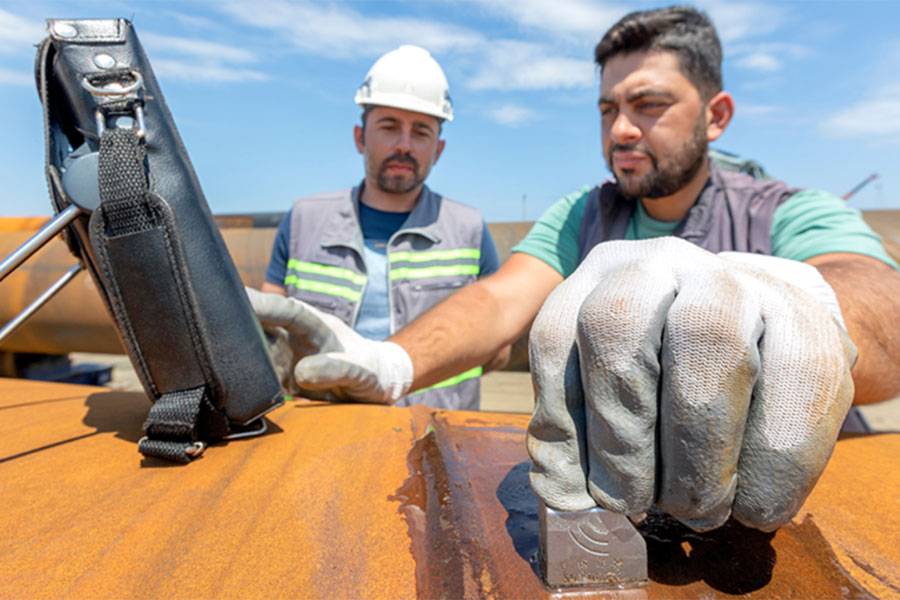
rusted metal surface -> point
(813, 557)
(356, 501)
(304, 514)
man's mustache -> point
(400, 158)
(636, 147)
(616, 147)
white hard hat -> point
(410, 79)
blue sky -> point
(262, 93)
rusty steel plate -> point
(358, 501)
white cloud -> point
(213, 51)
(736, 21)
(208, 72)
(513, 65)
(191, 59)
(18, 34)
(11, 77)
(759, 61)
(767, 56)
(336, 31)
(560, 16)
(878, 116)
(192, 21)
(512, 114)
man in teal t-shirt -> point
(693, 371)
(809, 223)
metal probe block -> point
(591, 548)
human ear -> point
(719, 111)
(359, 138)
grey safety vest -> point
(734, 212)
(436, 252)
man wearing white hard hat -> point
(379, 254)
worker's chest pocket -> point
(439, 286)
(425, 294)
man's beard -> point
(399, 184)
(669, 173)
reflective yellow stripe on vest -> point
(407, 273)
(470, 374)
(352, 292)
(429, 255)
(322, 288)
(463, 257)
(328, 271)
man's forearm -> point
(869, 294)
(454, 336)
(468, 328)
(499, 360)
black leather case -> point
(155, 253)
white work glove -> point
(325, 357)
(709, 385)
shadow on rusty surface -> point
(37, 402)
(521, 505)
(47, 447)
(119, 413)
(733, 558)
(107, 412)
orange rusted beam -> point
(351, 500)
(22, 223)
(76, 319)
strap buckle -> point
(116, 86)
(112, 87)
(195, 449)
(171, 450)
(100, 119)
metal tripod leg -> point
(37, 241)
(41, 300)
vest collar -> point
(698, 222)
(345, 230)
(423, 220)
(617, 210)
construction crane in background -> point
(861, 185)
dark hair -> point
(367, 108)
(683, 30)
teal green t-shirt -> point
(807, 224)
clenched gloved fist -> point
(709, 385)
(325, 358)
